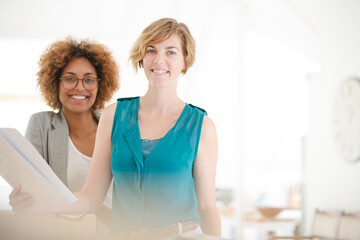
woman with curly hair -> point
(76, 79)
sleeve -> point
(34, 132)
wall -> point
(330, 182)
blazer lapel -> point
(58, 146)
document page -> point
(20, 163)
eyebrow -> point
(75, 73)
(170, 47)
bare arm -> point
(99, 175)
(204, 176)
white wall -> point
(328, 32)
(331, 183)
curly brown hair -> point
(60, 53)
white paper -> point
(20, 163)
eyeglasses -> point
(89, 83)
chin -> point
(79, 110)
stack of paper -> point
(20, 163)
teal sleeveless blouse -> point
(160, 190)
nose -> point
(80, 85)
(159, 58)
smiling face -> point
(77, 100)
(164, 62)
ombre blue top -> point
(160, 190)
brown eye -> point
(90, 80)
(69, 79)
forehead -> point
(173, 41)
(79, 64)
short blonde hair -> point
(159, 31)
(60, 53)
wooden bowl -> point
(269, 212)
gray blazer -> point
(48, 132)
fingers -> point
(20, 202)
(15, 191)
(23, 206)
(20, 197)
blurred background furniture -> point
(349, 226)
(325, 226)
(262, 222)
(266, 228)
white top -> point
(77, 168)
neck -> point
(160, 101)
(80, 123)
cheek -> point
(180, 65)
(184, 64)
(62, 95)
(146, 61)
(94, 96)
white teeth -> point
(159, 71)
(80, 97)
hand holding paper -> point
(20, 163)
(20, 201)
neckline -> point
(145, 140)
(77, 150)
(168, 132)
